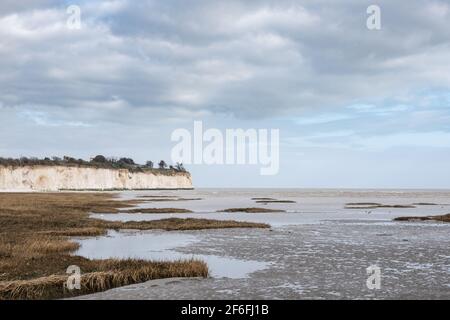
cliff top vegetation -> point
(98, 161)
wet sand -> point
(317, 250)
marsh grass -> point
(173, 224)
(35, 246)
(167, 198)
(157, 210)
(374, 205)
(274, 201)
(442, 218)
(251, 210)
(110, 274)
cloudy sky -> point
(355, 107)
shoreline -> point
(92, 190)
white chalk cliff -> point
(56, 178)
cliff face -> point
(55, 178)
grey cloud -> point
(14, 6)
(249, 59)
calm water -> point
(317, 249)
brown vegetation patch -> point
(363, 204)
(275, 201)
(173, 224)
(443, 218)
(374, 205)
(167, 198)
(251, 210)
(77, 232)
(158, 210)
(156, 196)
(110, 273)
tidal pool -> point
(157, 245)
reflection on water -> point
(160, 246)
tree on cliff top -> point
(70, 159)
(99, 159)
(162, 164)
(127, 161)
(179, 167)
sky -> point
(355, 108)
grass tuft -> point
(157, 210)
(251, 210)
(442, 218)
(374, 205)
(112, 273)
